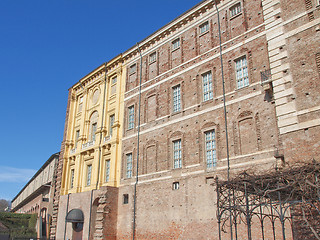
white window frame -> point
(176, 98)
(89, 172)
(107, 178)
(129, 161)
(241, 69)
(177, 154)
(204, 27)
(207, 86)
(210, 148)
(131, 117)
(153, 57)
(235, 10)
(176, 44)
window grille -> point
(210, 145)
(176, 98)
(131, 117)
(129, 166)
(204, 27)
(235, 10)
(177, 154)
(207, 86)
(176, 44)
(242, 72)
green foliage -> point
(20, 225)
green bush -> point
(19, 225)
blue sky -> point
(45, 47)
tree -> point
(4, 204)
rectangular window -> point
(210, 144)
(80, 104)
(93, 131)
(77, 135)
(204, 27)
(207, 86)
(175, 186)
(235, 10)
(89, 169)
(133, 69)
(107, 170)
(125, 198)
(111, 122)
(113, 85)
(72, 178)
(177, 154)
(242, 72)
(152, 57)
(176, 98)
(176, 44)
(131, 117)
(129, 166)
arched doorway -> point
(75, 216)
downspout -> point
(65, 221)
(100, 142)
(138, 139)
(225, 116)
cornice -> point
(170, 28)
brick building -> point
(173, 127)
(271, 63)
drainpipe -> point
(225, 116)
(138, 139)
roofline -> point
(37, 173)
(96, 69)
(154, 33)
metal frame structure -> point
(282, 204)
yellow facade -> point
(92, 156)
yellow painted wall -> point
(93, 102)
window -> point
(177, 154)
(129, 166)
(131, 117)
(77, 135)
(175, 186)
(207, 86)
(107, 170)
(72, 178)
(242, 72)
(125, 198)
(176, 44)
(93, 131)
(204, 27)
(235, 10)
(152, 57)
(176, 98)
(133, 69)
(89, 169)
(113, 85)
(80, 104)
(111, 122)
(210, 145)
